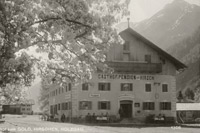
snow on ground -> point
(32, 124)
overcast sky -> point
(143, 9)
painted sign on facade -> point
(125, 76)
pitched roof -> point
(179, 65)
(188, 106)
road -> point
(32, 124)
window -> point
(126, 56)
(104, 105)
(148, 87)
(148, 58)
(85, 86)
(59, 90)
(23, 109)
(148, 106)
(126, 87)
(165, 106)
(104, 86)
(126, 46)
(56, 92)
(62, 90)
(164, 88)
(85, 105)
(58, 106)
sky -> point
(143, 9)
(139, 10)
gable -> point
(155, 48)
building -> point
(26, 109)
(17, 109)
(188, 112)
(143, 83)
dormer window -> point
(126, 46)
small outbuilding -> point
(188, 112)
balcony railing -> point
(135, 67)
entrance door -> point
(126, 109)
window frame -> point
(165, 106)
(87, 103)
(129, 89)
(163, 89)
(100, 88)
(148, 105)
(146, 87)
(108, 105)
(85, 86)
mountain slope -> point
(175, 22)
(188, 51)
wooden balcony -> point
(135, 67)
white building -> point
(143, 83)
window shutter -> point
(131, 87)
(90, 105)
(66, 88)
(109, 106)
(99, 86)
(70, 86)
(83, 87)
(99, 105)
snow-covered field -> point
(32, 124)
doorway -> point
(126, 109)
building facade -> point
(17, 109)
(143, 83)
(26, 109)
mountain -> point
(173, 23)
(188, 51)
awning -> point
(188, 106)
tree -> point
(76, 34)
(189, 94)
(180, 96)
(44, 95)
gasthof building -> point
(143, 83)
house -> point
(143, 83)
(17, 109)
